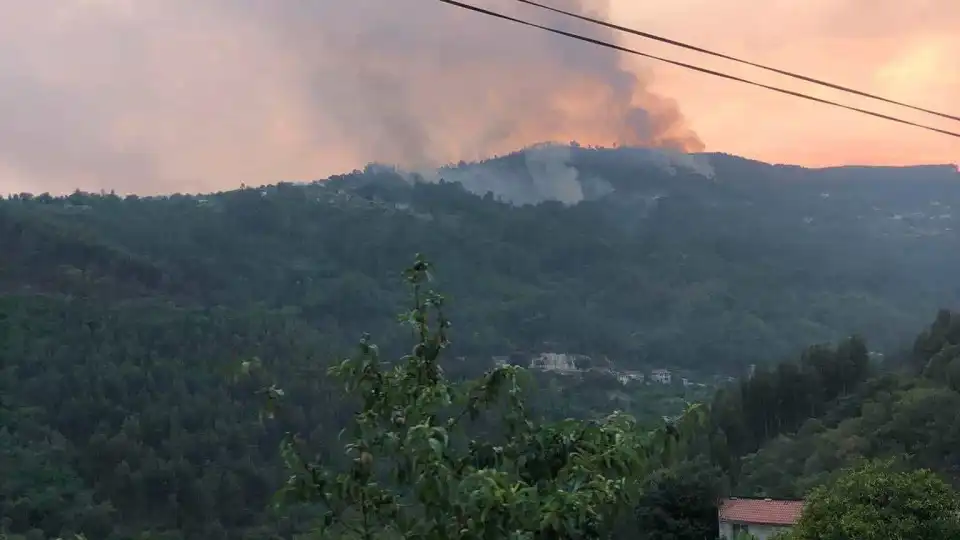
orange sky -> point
(154, 96)
(908, 51)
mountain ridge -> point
(123, 320)
(682, 243)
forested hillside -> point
(123, 319)
(912, 418)
(661, 267)
(800, 425)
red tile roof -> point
(761, 511)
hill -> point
(658, 267)
(122, 319)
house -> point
(628, 376)
(661, 376)
(761, 518)
(559, 362)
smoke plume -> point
(547, 175)
(165, 95)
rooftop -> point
(761, 511)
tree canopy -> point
(874, 502)
(416, 472)
(122, 319)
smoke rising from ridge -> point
(166, 95)
(549, 172)
(547, 175)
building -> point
(559, 362)
(627, 376)
(661, 376)
(761, 518)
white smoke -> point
(553, 177)
(549, 174)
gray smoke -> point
(553, 176)
(549, 173)
(168, 95)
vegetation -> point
(778, 401)
(874, 502)
(415, 473)
(748, 267)
(122, 321)
(679, 502)
(899, 415)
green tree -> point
(418, 470)
(680, 503)
(875, 502)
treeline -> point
(901, 415)
(778, 399)
(796, 426)
(936, 352)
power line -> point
(722, 75)
(681, 44)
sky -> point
(161, 96)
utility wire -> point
(722, 75)
(687, 46)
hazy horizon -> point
(163, 96)
(448, 172)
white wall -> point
(761, 532)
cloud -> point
(165, 95)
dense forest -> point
(752, 263)
(124, 321)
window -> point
(740, 528)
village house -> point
(760, 518)
(661, 376)
(628, 376)
(559, 362)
